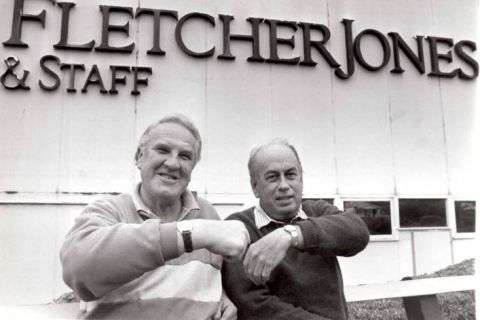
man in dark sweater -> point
(290, 270)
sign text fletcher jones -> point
(442, 51)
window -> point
(465, 216)
(422, 213)
(375, 214)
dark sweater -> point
(308, 283)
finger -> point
(231, 315)
(218, 313)
(257, 273)
(250, 272)
(247, 270)
(266, 273)
(248, 258)
(249, 266)
(254, 280)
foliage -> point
(384, 309)
(66, 298)
(455, 305)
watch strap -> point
(185, 229)
(187, 240)
(292, 230)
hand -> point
(231, 240)
(226, 309)
(227, 238)
(265, 254)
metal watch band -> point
(292, 230)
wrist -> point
(292, 232)
(185, 230)
(201, 234)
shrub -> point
(455, 305)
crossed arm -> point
(329, 232)
(103, 251)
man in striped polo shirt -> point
(154, 253)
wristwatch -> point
(292, 230)
(185, 228)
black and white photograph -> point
(250, 160)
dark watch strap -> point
(187, 240)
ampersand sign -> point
(19, 82)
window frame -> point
(338, 201)
(452, 217)
(424, 197)
(394, 218)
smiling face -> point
(166, 159)
(278, 181)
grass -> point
(455, 305)
(67, 298)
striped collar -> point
(189, 205)
(262, 218)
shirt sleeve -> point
(331, 232)
(256, 302)
(101, 252)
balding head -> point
(252, 164)
(179, 119)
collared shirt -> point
(188, 285)
(189, 203)
(262, 218)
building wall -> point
(374, 135)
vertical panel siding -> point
(31, 236)
(375, 134)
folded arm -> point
(331, 232)
(102, 253)
(328, 231)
